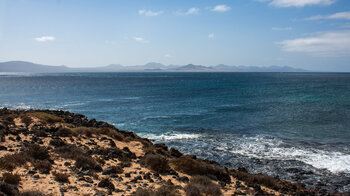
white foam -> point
(21, 106)
(272, 148)
(170, 136)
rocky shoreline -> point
(48, 152)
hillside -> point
(45, 152)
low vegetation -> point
(192, 166)
(45, 117)
(61, 177)
(11, 161)
(11, 178)
(165, 190)
(201, 185)
(156, 163)
(44, 167)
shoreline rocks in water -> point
(47, 152)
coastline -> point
(97, 158)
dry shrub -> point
(203, 185)
(27, 120)
(11, 161)
(61, 177)
(87, 163)
(11, 178)
(43, 166)
(37, 152)
(164, 190)
(167, 190)
(143, 192)
(57, 142)
(257, 179)
(155, 162)
(49, 118)
(8, 189)
(191, 166)
(31, 193)
(69, 151)
(64, 132)
(2, 136)
(124, 162)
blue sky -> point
(309, 34)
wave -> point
(263, 147)
(169, 136)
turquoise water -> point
(274, 123)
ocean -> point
(293, 126)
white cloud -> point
(140, 40)
(281, 28)
(300, 3)
(211, 36)
(339, 15)
(45, 38)
(192, 10)
(167, 55)
(333, 43)
(149, 13)
(221, 8)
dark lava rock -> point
(161, 146)
(112, 170)
(8, 189)
(31, 172)
(11, 138)
(105, 183)
(112, 143)
(3, 148)
(86, 179)
(67, 164)
(147, 176)
(127, 175)
(175, 153)
(183, 179)
(169, 182)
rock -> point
(3, 148)
(175, 153)
(67, 164)
(183, 179)
(112, 143)
(112, 170)
(161, 146)
(8, 189)
(86, 179)
(31, 172)
(169, 182)
(105, 183)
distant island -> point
(23, 66)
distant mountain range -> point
(22, 66)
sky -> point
(308, 34)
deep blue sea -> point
(294, 126)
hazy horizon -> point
(305, 34)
